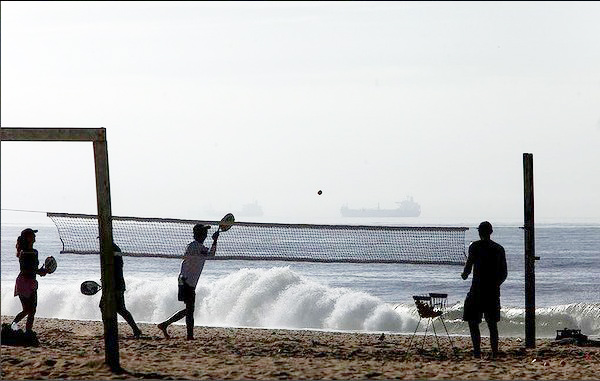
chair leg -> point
(414, 333)
(411, 339)
(425, 336)
(448, 334)
(435, 334)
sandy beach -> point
(71, 349)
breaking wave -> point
(281, 298)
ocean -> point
(328, 296)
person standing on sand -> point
(488, 261)
(191, 268)
(26, 285)
(120, 293)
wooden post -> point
(529, 229)
(107, 256)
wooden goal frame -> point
(98, 138)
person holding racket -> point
(191, 268)
(26, 285)
(120, 293)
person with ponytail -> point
(26, 284)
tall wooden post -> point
(98, 137)
(107, 255)
(529, 229)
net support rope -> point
(168, 238)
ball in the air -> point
(320, 192)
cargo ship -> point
(406, 208)
(251, 210)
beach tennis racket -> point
(50, 265)
(89, 287)
(226, 223)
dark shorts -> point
(120, 302)
(477, 307)
(186, 294)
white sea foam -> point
(276, 297)
(279, 297)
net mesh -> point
(158, 237)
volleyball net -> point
(168, 238)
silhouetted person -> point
(191, 268)
(488, 260)
(26, 285)
(120, 292)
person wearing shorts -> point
(191, 268)
(26, 284)
(487, 259)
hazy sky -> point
(209, 106)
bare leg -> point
(475, 338)
(26, 306)
(20, 316)
(165, 324)
(29, 323)
(189, 319)
(493, 326)
(129, 319)
(29, 307)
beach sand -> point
(71, 349)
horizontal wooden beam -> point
(53, 134)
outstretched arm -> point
(213, 248)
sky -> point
(210, 106)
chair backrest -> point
(438, 301)
(422, 298)
(431, 305)
(425, 307)
(436, 295)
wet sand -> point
(71, 349)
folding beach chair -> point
(431, 307)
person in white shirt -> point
(191, 268)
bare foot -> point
(163, 328)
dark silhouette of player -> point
(191, 268)
(26, 284)
(120, 293)
(487, 259)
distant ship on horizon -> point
(247, 210)
(406, 208)
(251, 210)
